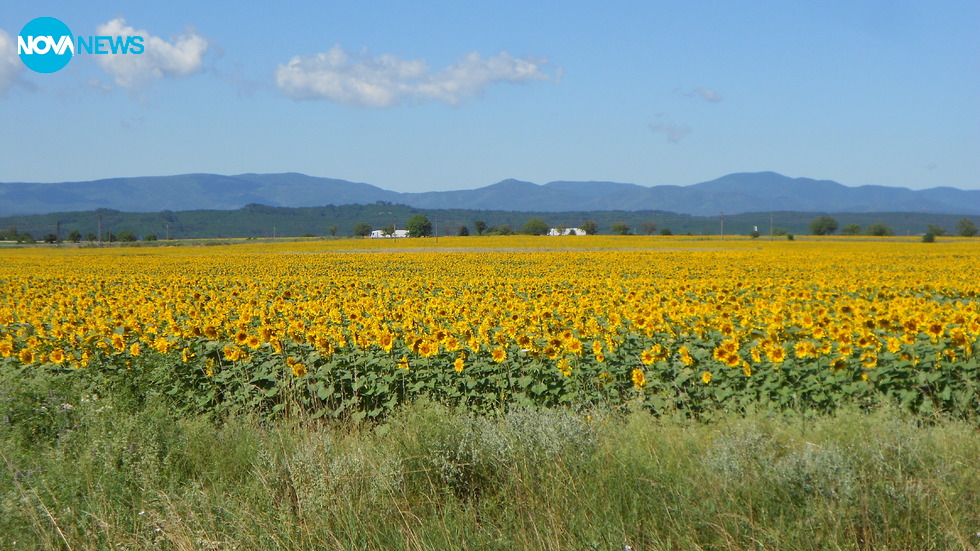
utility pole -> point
(168, 232)
(100, 230)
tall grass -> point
(82, 471)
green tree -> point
(91, 237)
(362, 229)
(535, 226)
(463, 231)
(620, 228)
(419, 226)
(590, 227)
(127, 236)
(388, 230)
(666, 231)
(480, 226)
(150, 237)
(332, 230)
(879, 229)
(649, 227)
(74, 236)
(851, 229)
(503, 229)
(936, 230)
(50, 238)
(824, 225)
(966, 228)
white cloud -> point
(706, 94)
(181, 57)
(382, 81)
(675, 133)
(10, 64)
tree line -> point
(419, 225)
(360, 220)
(826, 225)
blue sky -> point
(436, 95)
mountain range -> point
(731, 194)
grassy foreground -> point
(82, 471)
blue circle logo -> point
(45, 45)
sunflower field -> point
(354, 328)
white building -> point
(379, 234)
(566, 231)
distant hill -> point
(185, 192)
(731, 194)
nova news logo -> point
(46, 45)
